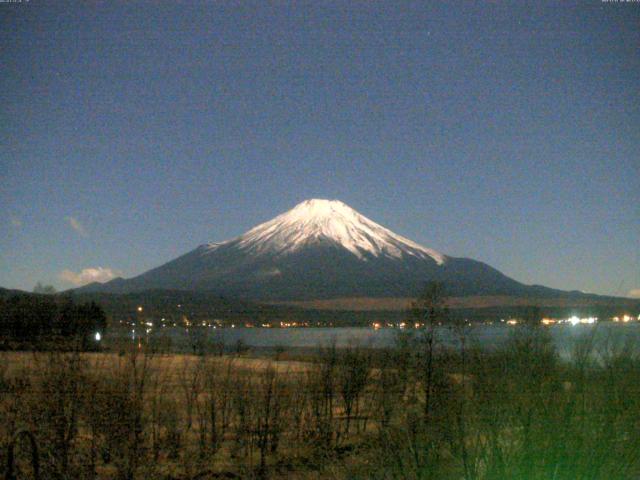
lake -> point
(565, 337)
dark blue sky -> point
(505, 133)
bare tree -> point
(429, 311)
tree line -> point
(46, 321)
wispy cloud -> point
(77, 226)
(634, 293)
(16, 222)
(88, 275)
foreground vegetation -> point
(415, 411)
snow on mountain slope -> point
(316, 221)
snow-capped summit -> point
(329, 221)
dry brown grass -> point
(171, 364)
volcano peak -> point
(330, 221)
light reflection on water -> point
(565, 337)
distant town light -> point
(140, 308)
(98, 336)
(574, 320)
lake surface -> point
(565, 337)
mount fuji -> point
(320, 249)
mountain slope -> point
(320, 249)
(317, 221)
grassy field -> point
(414, 411)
